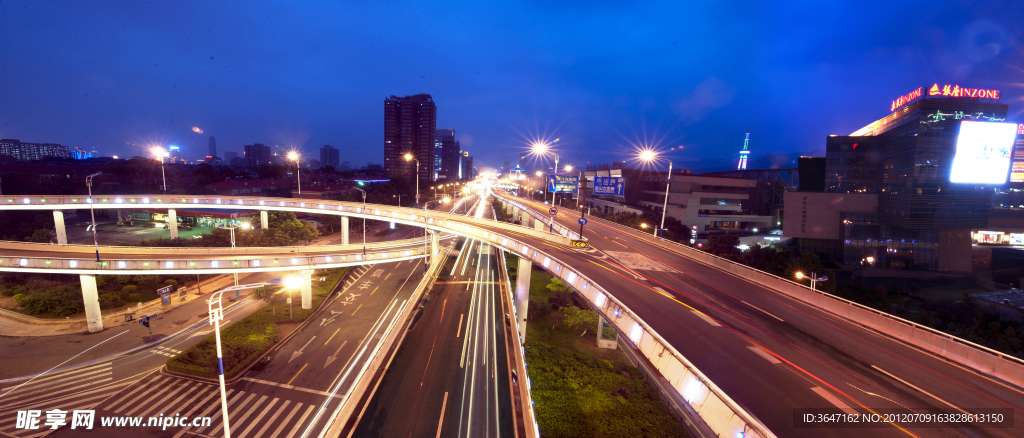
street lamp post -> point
(216, 315)
(813, 277)
(426, 237)
(409, 157)
(160, 155)
(92, 211)
(649, 156)
(364, 219)
(294, 156)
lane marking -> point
(706, 319)
(762, 311)
(919, 389)
(374, 290)
(835, 401)
(460, 325)
(297, 374)
(427, 366)
(62, 363)
(332, 336)
(357, 309)
(441, 420)
(765, 355)
(443, 305)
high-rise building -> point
(505, 168)
(257, 154)
(32, 151)
(346, 165)
(466, 171)
(449, 153)
(329, 156)
(230, 158)
(213, 146)
(409, 124)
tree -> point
(266, 294)
(578, 319)
(723, 245)
(39, 236)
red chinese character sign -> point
(944, 91)
(907, 98)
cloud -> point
(707, 96)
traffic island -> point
(579, 389)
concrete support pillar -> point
(601, 341)
(508, 208)
(120, 220)
(307, 289)
(540, 225)
(172, 223)
(91, 296)
(523, 294)
(344, 230)
(264, 220)
(435, 245)
(58, 223)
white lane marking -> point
(301, 419)
(284, 407)
(441, 420)
(832, 399)
(765, 355)
(919, 389)
(706, 319)
(62, 363)
(259, 417)
(285, 421)
(762, 311)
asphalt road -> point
(451, 375)
(773, 354)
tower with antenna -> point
(744, 152)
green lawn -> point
(584, 391)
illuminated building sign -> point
(907, 98)
(956, 91)
(983, 152)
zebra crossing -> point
(166, 351)
(252, 414)
(78, 389)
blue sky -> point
(602, 76)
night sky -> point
(600, 76)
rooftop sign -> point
(907, 98)
(944, 91)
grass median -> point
(248, 339)
(580, 390)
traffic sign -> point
(579, 243)
(417, 196)
(582, 221)
(553, 211)
(164, 289)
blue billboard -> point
(609, 185)
(563, 183)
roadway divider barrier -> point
(392, 338)
(524, 410)
(213, 251)
(977, 357)
(559, 229)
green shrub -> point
(110, 301)
(7, 292)
(171, 282)
(60, 301)
(129, 289)
(18, 298)
(18, 290)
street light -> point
(813, 277)
(409, 157)
(291, 282)
(294, 156)
(216, 315)
(160, 154)
(92, 211)
(364, 218)
(644, 226)
(649, 156)
(399, 199)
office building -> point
(505, 168)
(450, 154)
(212, 143)
(257, 154)
(329, 156)
(230, 157)
(32, 151)
(913, 189)
(409, 125)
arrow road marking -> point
(334, 356)
(297, 353)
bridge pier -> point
(508, 208)
(58, 223)
(601, 341)
(91, 297)
(435, 243)
(344, 230)
(523, 294)
(172, 223)
(264, 220)
(307, 289)
(539, 225)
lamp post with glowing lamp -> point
(364, 219)
(292, 282)
(216, 311)
(294, 156)
(813, 277)
(160, 154)
(649, 156)
(408, 157)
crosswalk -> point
(359, 271)
(165, 351)
(252, 414)
(79, 389)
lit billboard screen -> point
(983, 152)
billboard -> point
(983, 152)
(609, 185)
(563, 184)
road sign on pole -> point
(417, 196)
(582, 221)
(553, 211)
